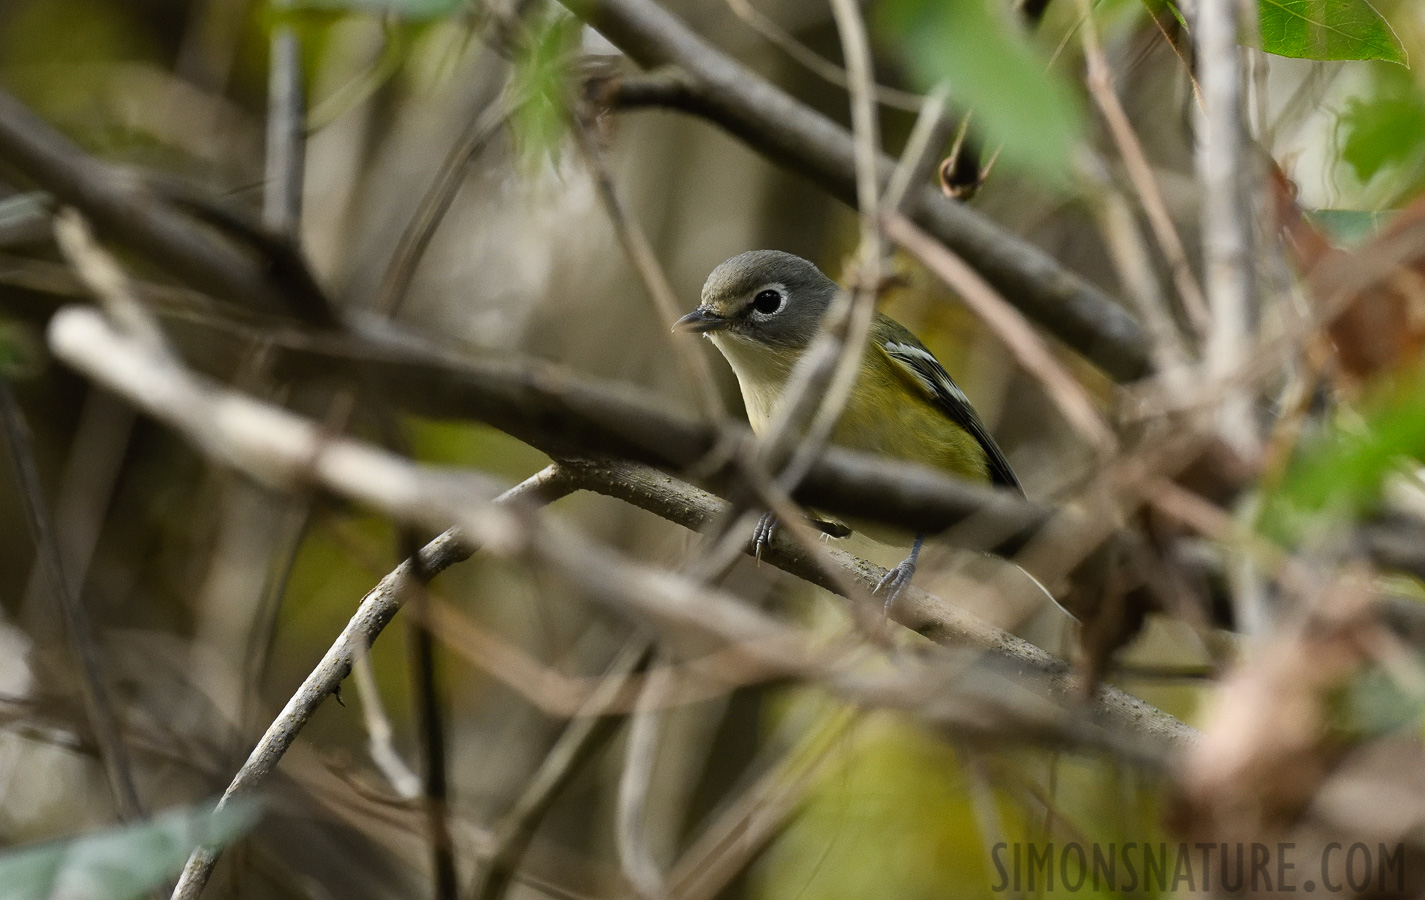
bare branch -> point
(416, 236)
(645, 262)
(378, 727)
(635, 857)
(1140, 173)
(130, 215)
(102, 718)
(814, 62)
(1227, 213)
(286, 130)
(589, 729)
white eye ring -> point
(769, 301)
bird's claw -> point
(762, 534)
(894, 582)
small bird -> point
(761, 309)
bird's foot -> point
(895, 582)
(762, 534)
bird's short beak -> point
(700, 321)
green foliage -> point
(1341, 473)
(407, 10)
(896, 815)
(1328, 29)
(12, 354)
(120, 863)
(991, 70)
(539, 85)
(1374, 704)
(478, 446)
(1348, 227)
(893, 819)
(57, 53)
(1386, 129)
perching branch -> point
(917, 609)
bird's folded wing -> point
(926, 373)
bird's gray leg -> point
(762, 534)
(898, 579)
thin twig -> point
(1021, 339)
(429, 708)
(634, 855)
(645, 262)
(822, 379)
(588, 730)
(102, 718)
(286, 114)
(1129, 252)
(406, 783)
(91, 474)
(419, 231)
(865, 132)
(815, 62)
(747, 824)
(927, 137)
(1140, 173)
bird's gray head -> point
(765, 297)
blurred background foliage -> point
(216, 597)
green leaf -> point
(1341, 473)
(1387, 127)
(540, 80)
(120, 863)
(1373, 704)
(991, 70)
(1349, 227)
(1328, 29)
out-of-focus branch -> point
(813, 61)
(639, 250)
(1224, 167)
(636, 859)
(1140, 172)
(127, 214)
(419, 231)
(286, 122)
(591, 726)
(97, 706)
(793, 135)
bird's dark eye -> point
(767, 302)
